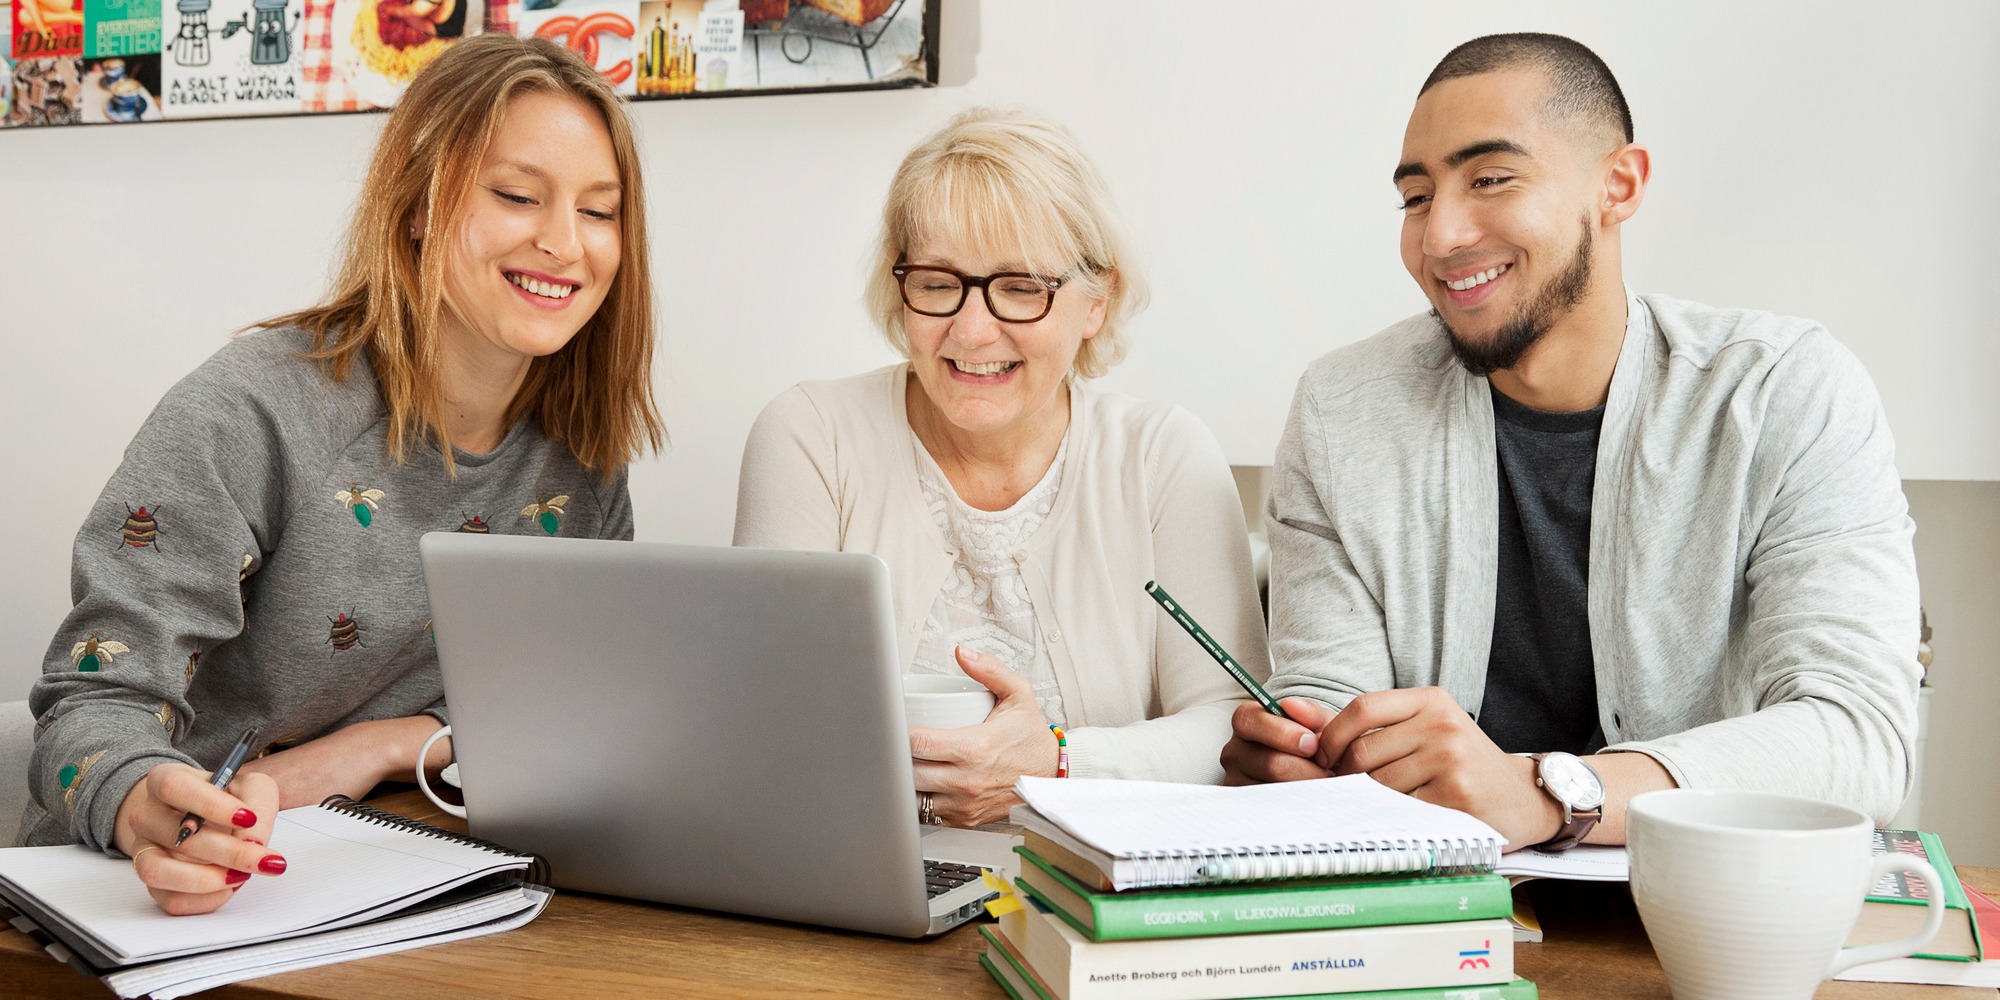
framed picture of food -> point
(121, 89)
(603, 32)
(379, 45)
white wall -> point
(1958, 559)
(1827, 159)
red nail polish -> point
(244, 818)
(235, 878)
(272, 865)
(254, 840)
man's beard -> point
(1531, 321)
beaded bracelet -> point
(1062, 752)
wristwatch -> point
(1575, 787)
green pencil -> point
(1189, 625)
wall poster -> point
(67, 62)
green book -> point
(1896, 902)
(1262, 907)
(1013, 975)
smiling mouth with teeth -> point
(1475, 280)
(545, 289)
(986, 368)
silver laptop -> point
(710, 727)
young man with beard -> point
(1554, 544)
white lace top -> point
(985, 604)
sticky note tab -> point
(1005, 901)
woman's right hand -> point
(203, 873)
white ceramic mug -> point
(945, 701)
(1748, 895)
(450, 775)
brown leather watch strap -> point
(1581, 821)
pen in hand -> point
(191, 823)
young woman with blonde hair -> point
(1020, 508)
(482, 364)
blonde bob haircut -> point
(595, 394)
(1017, 189)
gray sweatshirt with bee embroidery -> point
(253, 563)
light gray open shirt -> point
(1753, 590)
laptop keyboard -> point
(941, 877)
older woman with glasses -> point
(1021, 510)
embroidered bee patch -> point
(166, 717)
(95, 653)
(194, 660)
(141, 529)
(548, 513)
(345, 633)
(475, 525)
(361, 503)
(72, 775)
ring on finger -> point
(142, 853)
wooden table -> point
(598, 946)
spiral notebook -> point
(1142, 834)
(359, 882)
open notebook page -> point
(340, 868)
(1127, 819)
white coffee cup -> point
(1748, 895)
(945, 701)
(450, 775)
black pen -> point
(1187, 623)
(191, 824)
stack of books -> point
(1133, 890)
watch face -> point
(1571, 780)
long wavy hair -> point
(595, 394)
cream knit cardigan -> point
(1145, 495)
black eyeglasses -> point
(1011, 296)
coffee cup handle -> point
(423, 783)
(1847, 958)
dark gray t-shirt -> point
(1541, 684)
(253, 562)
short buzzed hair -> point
(1582, 87)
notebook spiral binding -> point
(1288, 861)
(538, 872)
